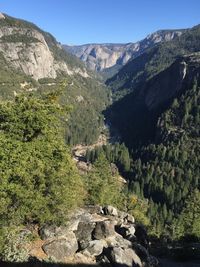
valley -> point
(100, 125)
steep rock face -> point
(32, 58)
(26, 48)
(102, 56)
(169, 83)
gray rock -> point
(34, 58)
(51, 231)
(62, 247)
(118, 241)
(141, 251)
(110, 210)
(125, 256)
(103, 230)
(95, 209)
(81, 215)
(153, 261)
(142, 237)
(84, 233)
(95, 248)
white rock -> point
(110, 210)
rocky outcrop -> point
(61, 248)
(102, 235)
(103, 56)
(172, 81)
(32, 51)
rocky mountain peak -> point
(100, 57)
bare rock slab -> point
(62, 247)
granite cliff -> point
(104, 56)
(27, 48)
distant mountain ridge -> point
(102, 57)
(154, 60)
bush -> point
(12, 245)
(38, 179)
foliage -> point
(115, 153)
(12, 245)
(138, 207)
(103, 187)
(14, 38)
(165, 151)
(188, 223)
(39, 182)
(87, 95)
(168, 170)
(88, 99)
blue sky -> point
(102, 21)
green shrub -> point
(38, 179)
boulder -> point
(125, 257)
(84, 231)
(52, 231)
(129, 218)
(118, 241)
(74, 219)
(110, 210)
(90, 236)
(103, 229)
(95, 248)
(62, 247)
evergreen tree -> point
(103, 187)
(38, 179)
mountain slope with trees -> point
(159, 123)
(137, 71)
(32, 60)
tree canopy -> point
(38, 179)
